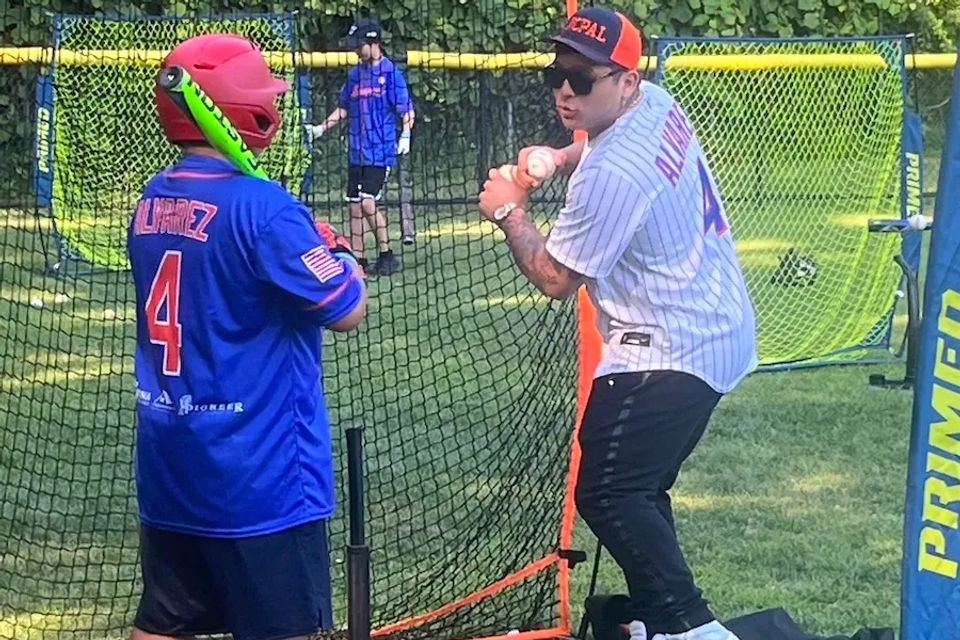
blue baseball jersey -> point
(375, 95)
(233, 287)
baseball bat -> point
(210, 119)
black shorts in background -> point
(365, 182)
(259, 588)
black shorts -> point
(260, 588)
(365, 182)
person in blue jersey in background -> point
(374, 97)
(234, 286)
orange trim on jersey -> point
(479, 596)
(335, 294)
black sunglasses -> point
(581, 81)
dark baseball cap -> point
(363, 31)
(603, 36)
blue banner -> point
(912, 185)
(44, 144)
(931, 555)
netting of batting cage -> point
(463, 377)
(806, 138)
(464, 374)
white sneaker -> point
(638, 631)
(710, 631)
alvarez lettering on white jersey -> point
(645, 223)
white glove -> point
(403, 147)
(315, 131)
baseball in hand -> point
(540, 164)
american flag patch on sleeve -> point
(323, 265)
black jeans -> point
(637, 430)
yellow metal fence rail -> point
(13, 56)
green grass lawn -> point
(464, 381)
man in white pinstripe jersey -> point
(644, 228)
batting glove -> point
(337, 244)
(315, 131)
(403, 147)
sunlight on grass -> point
(816, 483)
(766, 260)
(853, 221)
(762, 244)
(44, 302)
(55, 624)
(793, 501)
(23, 221)
(48, 299)
(474, 226)
(770, 259)
(707, 501)
(35, 624)
(516, 300)
(472, 229)
(60, 377)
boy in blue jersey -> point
(234, 286)
(375, 94)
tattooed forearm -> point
(529, 249)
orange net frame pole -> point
(591, 347)
(474, 598)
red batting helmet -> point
(233, 72)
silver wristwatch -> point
(502, 212)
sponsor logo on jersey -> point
(186, 406)
(163, 402)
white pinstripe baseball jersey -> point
(645, 224)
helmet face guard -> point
(233, 72)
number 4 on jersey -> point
(165, 295)
(712, 212)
